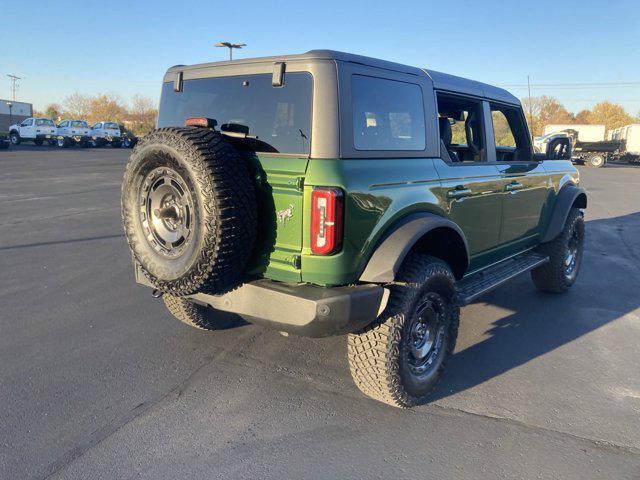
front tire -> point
(565, 256)
(194, 315)
(62, 142)
(116, 144)
(400, 357)
(15, 138)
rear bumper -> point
(300, 309)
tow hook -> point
(155, 293)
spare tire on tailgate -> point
(189, 210)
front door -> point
(27, 128)
(525, 180)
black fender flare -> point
(564, 201)
(388, 256)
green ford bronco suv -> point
(328, 194)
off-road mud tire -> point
(194, 315)
(552, 276)
(224, 210)
(377, 353)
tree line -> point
(138, 115)
(547, 110)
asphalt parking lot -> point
(98, 381)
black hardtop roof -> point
(441, 81)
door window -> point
(461, 126)
(388, 115)
(510, 134)
(27, 123)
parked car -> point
(35, 130)
(72, 132)
(359, 216)
(106, 133)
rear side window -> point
(387, 114)
(111, 125)
(279, 116)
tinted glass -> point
(79, 124)
(280, 117)
(387, 115)
(111, 125)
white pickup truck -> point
(70, 132)
(35, 130)
(106, 132)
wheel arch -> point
(419, 232)
(570, 196)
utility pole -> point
(231, 46)
(530, 106)
(14, 84)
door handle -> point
(459, 193)
(512, 187)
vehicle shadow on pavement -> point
(543, 322)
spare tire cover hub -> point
(166, 211)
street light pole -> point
(10, 105)
(230, 46)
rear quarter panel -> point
(378, 192)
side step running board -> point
(479, 283)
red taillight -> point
(326, 220)
(200, 122)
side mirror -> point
(559, 149)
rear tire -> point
(194, 315)
(400, 357)
(565, 256)
(38, 141)
(189, 210)
(596, 160)
(116, 144)
(62, 142)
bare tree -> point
(142, 114)
(77, 105)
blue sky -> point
(120, 47)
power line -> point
(572, 85)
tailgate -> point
(280, 217)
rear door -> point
(525, 181)
(471, 186)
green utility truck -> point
(334, 194)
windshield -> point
(44, 121)
(79, 123)
(111, 125)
